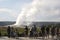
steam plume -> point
(40, 10)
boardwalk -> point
(25, 38)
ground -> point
(24, 38)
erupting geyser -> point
(39, 10)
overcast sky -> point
(10, 9)
(32, 9)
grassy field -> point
(3, 30)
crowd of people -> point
(45, 31)
(11, 32)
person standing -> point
(58, 34)
(26, 31)
(12, 32)
(35, 31)
(8, 31)
(43, 31)
(53, 32)
(47, 31)
(0, 33)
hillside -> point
(4, 23)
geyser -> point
(39, 10)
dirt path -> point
(23, 38)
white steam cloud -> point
(40, 10)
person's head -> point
(8, 26)
(34, 25)
(25, 26)
(12, 28)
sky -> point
(29, 10)
(10, 9)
